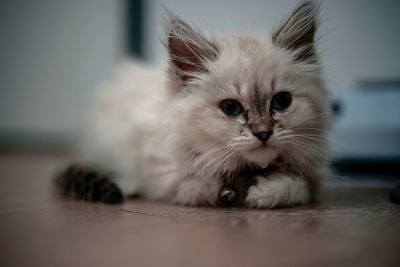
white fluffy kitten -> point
(239, 119)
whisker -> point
(309, 128)
(308, 148)
(318, 138)
(223, 154)
(300, 162)
(307, 119)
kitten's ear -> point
(188, 50)
(297, 32)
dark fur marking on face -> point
(258, 101)
(273, 83)
(246, 115)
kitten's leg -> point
(225, 191)
(82, 182)
(277, 190)
(195, 192)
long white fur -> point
(167, 139)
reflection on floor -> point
(350, 226)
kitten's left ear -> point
(297, 32)
(188, 49)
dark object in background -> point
(368, 166)
(134, 15)
(336, 107)
(365, 137)
(395, 195)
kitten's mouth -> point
(259, 147)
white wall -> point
(52, 54)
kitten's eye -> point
(281, 101)
(231, 107)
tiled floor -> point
(349, 227)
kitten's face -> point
(252, 101)
(255, 105)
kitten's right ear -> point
(188, 50)
(297, 32)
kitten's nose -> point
(263, 135)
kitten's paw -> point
(227, 197)
(277, 190)
(108, 192)
(234, 190)
(82, 182)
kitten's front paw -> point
(277, 190)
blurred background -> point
(53, 53)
